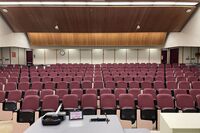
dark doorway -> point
(29, 57)
(174, 56)
(164, 56)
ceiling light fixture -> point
(188, 10)
(56, 27)
(51, 3)
(138, 27)
(5, 10)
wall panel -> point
(97, 56)
(143, 55)
(74, 55)
(86, 56)
(109, 56)
(50, 56)
(38, 56)
(14, 55)
(62, 58)
(22, 56)
(155, 55)
(132, 55)
(6, 55)
(120, 55)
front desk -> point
(180, 123)
(84, 126)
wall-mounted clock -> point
(62, 52)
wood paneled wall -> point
(97, 39)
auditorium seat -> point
(150, 91)
(70, 102)
(31, 92)
(184, 85)
(98, 85)
(194, 93)
(24, 86)
(10, 86)
(37, 86)
(185, 103)
(108, 104)
(127, 107)
(89, 104)
(62, 85)
(146, 84)
(2, 96)
(110, 84)
(164, 91)
(50, 103)
(165, 103)
(134, 84)
(49, 85)
(10, 103)
(170, 78)
(86, 84)
(147, 107)
(105, 91)
(74, 85)
(45, 92)
(24, 79)
(198, 102)
(91, 91)
(192, 78)
(30, 105)
(35, 79)
(171, 85)
(78, 92)
(159, 85)
(122, 84)
(118, 92)
(195, 85)
(61, 93)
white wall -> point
(14, 58)
(187, 55)
(97, 56)
(22, 56)
(39, 56)
(189, 36)
(109, 56)
(86, 56)
(6, 55)
(155, 55)
(120, 55)
(143, 55)
(74, 56)
(62, 58)
(132, 55)
(11, 39)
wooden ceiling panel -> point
(97, 19)
(97, 39)
(102, 0)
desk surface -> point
(182, 120)
(78, 126)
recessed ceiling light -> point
(138, 27)
(56, 27)
(188, 10)
(5, 10)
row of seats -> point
(99, 85)
(98, 78)
(79, 92)
(127, 106)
